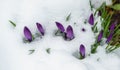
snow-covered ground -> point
(14, 53)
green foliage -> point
(116, 7)
(12, 23)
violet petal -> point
(28, 34)
(91, 19)
(82, 51)
(40, 28)
(100, 36)
(60, 26)
(112, 26)
(69, 33)
(109, 38)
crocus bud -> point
(91, 19)
(82, 51)
(60, 27)
(69, 33)
(109, 38)
(40, 28)
(100, 36)
(28, 34)
(112, 26)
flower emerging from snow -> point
(40, 28)
(60, 27)
(28, 34)
(91, 19)
(82, 51)
(69, 34)
(100, 36)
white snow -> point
(14, 53)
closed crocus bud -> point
(28, 34)
(60, 27)
(40, 28)
(100, 36)
(69, 33)
(82, 51)
(91, 19)
(112, 26)
(109, 38)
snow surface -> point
(14, 53)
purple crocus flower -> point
(40, 28)
(60, 27)
(109, 38)
(112, 26)
(82, 51)
(69, 33)
(91, 19)
(100, 36)
(28, 34)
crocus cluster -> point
(82, 51)
(28, 35)
(68, 34)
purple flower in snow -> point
(28, 34)
(91, 19)
(109, 38)
(100, 36)
(112, 26)
(60, 26)
(40, 28)
(82, 51)
(69, 33)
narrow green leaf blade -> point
(12, 23)
(68, 17)
(116, 7)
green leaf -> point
(94, 48)
(48, 50)
(31, 51)
(116, 7)
(91, 6)
(94, 28)
(12, 23)
(68, 17)
(101, 8)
